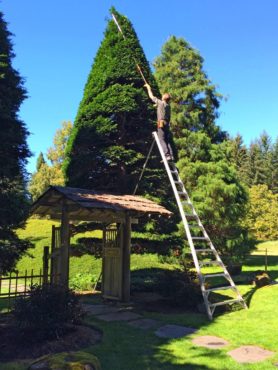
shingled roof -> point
(84, 204)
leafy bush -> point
(47, 311)
(89, 245)
(83, 281)
(162, 244)
(180, 287)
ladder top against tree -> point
(67, 204)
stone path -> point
(210, 341)
(113, 313)
(174, 331)
(250, 354)
(109, 313)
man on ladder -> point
(163, 121)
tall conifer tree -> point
(112, 132)
(13, 155)
(204, 163)
(195, 101)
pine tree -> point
(14, 152)
(274, 168)
(259, 162)
(46, 174)
(205, 162)
(238, 156)
(40, 161)
(195, 101)
(112, 132)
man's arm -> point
(150, 93)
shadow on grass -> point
(198, 354)
(256, 263)
(249, 295)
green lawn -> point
(137, 349)
(127, 348)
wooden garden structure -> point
(115, 213)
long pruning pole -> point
(135, 61)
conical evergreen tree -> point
(204, 155)
(13, 155)
(238, 155)
(195, 101)
(274, 165)
(40, 161)
(112, 132)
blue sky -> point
(55, 42)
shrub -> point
(181, 286)
(47, 311)
(83, 281)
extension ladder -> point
(202, 249)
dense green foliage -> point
(14, 153)
(259, 162)
(112, 130)
(195, 101)
(213, 184)
(45, 174)
(262, 216)
(46, 311)
(217, 193)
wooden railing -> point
(18, 284)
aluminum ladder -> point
(200, 244)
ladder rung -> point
(229, 301)
(178, 182)
(203, 250)
(220, 288)
(190, 215)
(214, 275)
(206, 263)
(182, 193)
(200, 238)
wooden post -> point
(53, 265)
(265, 261)
(65, 240)
(126, 259)
(45, 265)
(103, 258)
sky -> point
(55, 42)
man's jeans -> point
(164, 136)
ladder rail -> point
(144, 167)
(210, 307)
(185, 223)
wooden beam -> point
(65, 241)
(126, 258)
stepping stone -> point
(119, 316)
(99, 309)
(209, 341)
(144, 324)
(246, 354)
(174, 331)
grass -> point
(127, 348)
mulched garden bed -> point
(15, 344)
